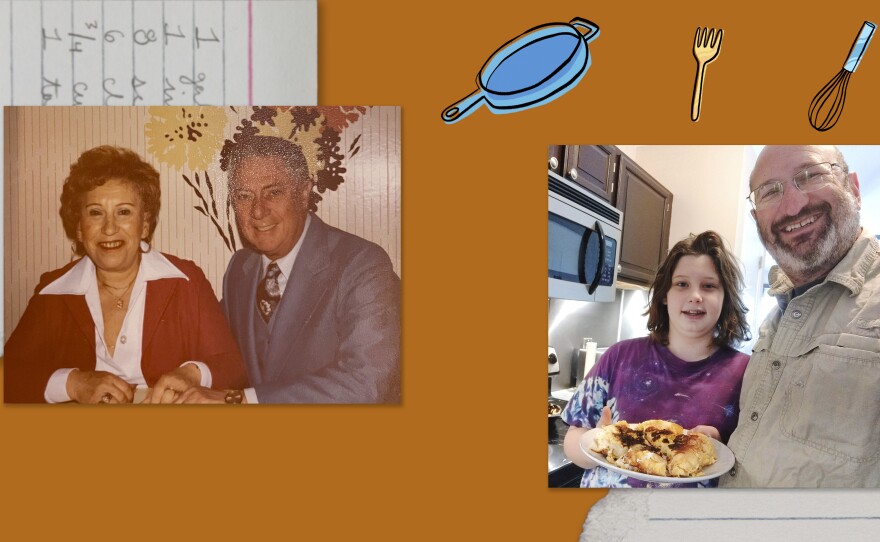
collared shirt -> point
(810, 403)
(783, 299)
(125, 362)
(285, 265)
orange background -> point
(463, 457)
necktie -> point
(268, 292)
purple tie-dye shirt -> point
(642, 380)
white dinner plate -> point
(723, 463)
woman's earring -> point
(148, 246)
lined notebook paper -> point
(144, 52)
(139, 52)
(734, 515)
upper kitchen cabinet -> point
(647, 213)
(646, 204)
(556, 160)
(592, 166)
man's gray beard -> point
(832, 247)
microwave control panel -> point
(607, 277)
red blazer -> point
(182, 322)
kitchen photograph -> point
(615, 211)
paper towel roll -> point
(590, 357)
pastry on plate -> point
(657, 447)
(644, 460)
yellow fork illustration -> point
(707, 45)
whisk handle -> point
(859, 46)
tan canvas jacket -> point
(810, 402)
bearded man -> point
(810, 402)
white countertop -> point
(565, 394)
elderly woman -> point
(123, 315)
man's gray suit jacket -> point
(335, 334)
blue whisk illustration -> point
(827, 105)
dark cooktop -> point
(557, 431)
(561, 471)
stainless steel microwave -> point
(584, 243)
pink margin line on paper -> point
(250, 54)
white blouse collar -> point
(154, 266)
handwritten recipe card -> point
(139, 52)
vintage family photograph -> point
(196, 254)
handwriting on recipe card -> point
(134, 52)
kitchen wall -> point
(570, 322)
(706, 182)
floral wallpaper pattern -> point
(189, 136)
(192, 139)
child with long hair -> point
(686, 371)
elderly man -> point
(315, 310)
(810, 403)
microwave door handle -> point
(582, 257)
(601, 265)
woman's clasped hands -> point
(97, 387)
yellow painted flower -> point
(188, 136)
